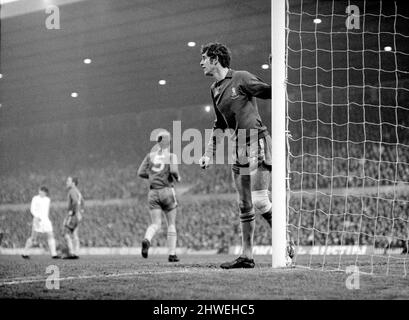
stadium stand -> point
(213, 223)
(207, 224)
(106, 165)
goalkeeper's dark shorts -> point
(71, 222)
(252, 156)
(164, 199)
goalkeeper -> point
(234, 96)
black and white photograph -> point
(204, 157)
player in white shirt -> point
(40, 209)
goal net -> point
(347, 92)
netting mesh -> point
(348, 132)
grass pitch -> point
(195, 277)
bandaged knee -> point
(246, 212)
(261, 202)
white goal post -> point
(278, 121)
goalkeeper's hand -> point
(204, 162)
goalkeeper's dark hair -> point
(75, 180)
(217, 50)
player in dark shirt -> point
(72, 220)
(234, 96)
(160, 168)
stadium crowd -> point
(203, 224)
(214, 223)
(108, 171)
(350, 220)
(352, 165)
(112, 181)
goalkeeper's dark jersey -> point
(156, 167)
(234, 102)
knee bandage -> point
(261, 202)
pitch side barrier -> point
(323, 250)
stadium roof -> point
(132, 45)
